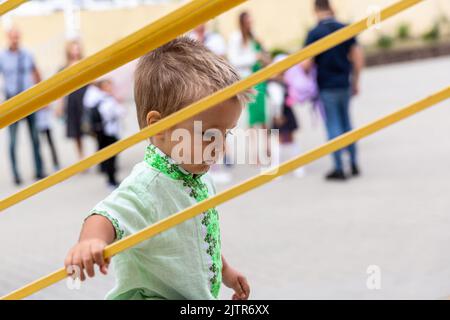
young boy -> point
(184, 262)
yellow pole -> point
(133, 46)
(204, 104)
(9, 5)
(263, 178)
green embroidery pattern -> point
(199, 191)
(114, 221)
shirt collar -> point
(158, 160)
(327, 20)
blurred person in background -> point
(105, 114)
(19, 71)
(44, 126)
(210, 39)
(248, 56)
(283, 116)
(93, 125)
(111, 113)
(72, 105)
(338, 77)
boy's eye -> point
(213, 133)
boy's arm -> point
(235, 280)
(98, 227)
(96, 234)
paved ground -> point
(295, 238)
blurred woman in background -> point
(248, 56)
(73, 108)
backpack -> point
(94, 120)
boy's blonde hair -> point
(178, 74)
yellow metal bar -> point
(204, 104)
(135, 45)
(257, 181)
(9, 5)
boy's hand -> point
(84, 255)
(236, 281)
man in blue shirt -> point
(20, 73)
(338, 73)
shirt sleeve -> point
(92, 96)
(351, 42)
(105, 108)
(124, 209)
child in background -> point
(284, 118)
(44, 126)
(184, 262)
(92, 123)
(111, 113)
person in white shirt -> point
(247, 55)
(212, 40)
(111, 112)
(93, 96)
(242, 54)
(99, 100)
(91, 99)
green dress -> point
(257, 108)
(182, 263)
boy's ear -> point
(153, 117)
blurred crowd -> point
(326, 82)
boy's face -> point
(199, 142)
